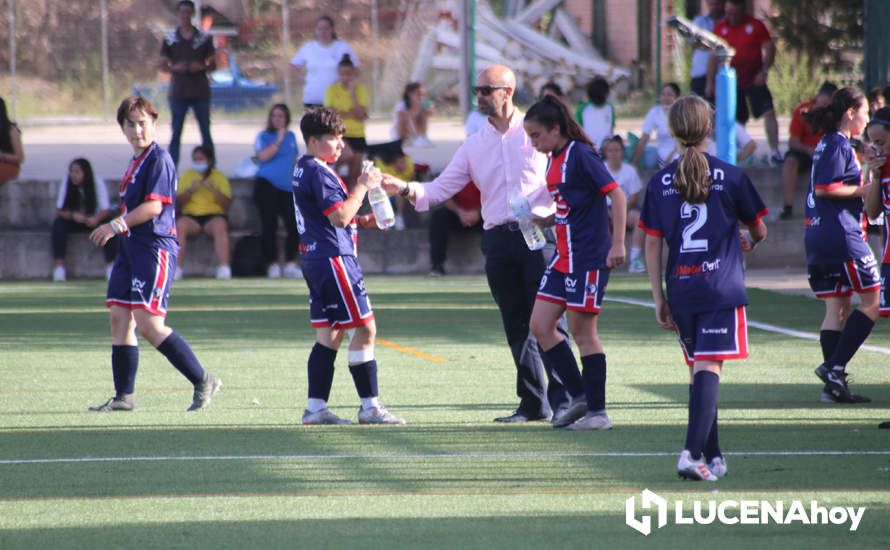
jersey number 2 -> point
(699, 215)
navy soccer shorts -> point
(337, 295)
(141, 279)
(576, 291)
(843, 279)
(714, 335)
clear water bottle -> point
(378, 198)
(532, 234)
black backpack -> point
(247, 258)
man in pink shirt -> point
(501, 160)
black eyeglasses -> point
(487, 90)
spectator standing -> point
(656, 120)
(755, 52)
(698, 71)
(501, 160)
(187, 53)
(316, 61)
(626, 176)
(802, 141)
(11, 153)
(276, 150)
(204, 195)
(81, 206)
(411, 117)
(349, 98)
(597, 115)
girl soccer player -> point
(576, 277)
(695, 205)
(142, 274)
(338, 302)
(839, 260)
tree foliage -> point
(820, 34)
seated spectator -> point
(597, 116)
(625, 175)
(349, 98)
(82, 205)
(876, 100)
(462, 212)
(411, 117)
(203, 197)
(656, 120)
(802, 141)
(396, 163)
(745, 145)
(11, 154)
(276, 151)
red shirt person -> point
(755, 53)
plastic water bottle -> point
(532, 234)
(378, 198)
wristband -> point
(118, 225)
(406, 191)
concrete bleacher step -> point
(27, 209)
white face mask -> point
(199, 166)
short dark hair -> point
(673, 86)
(318, 122)
(346, 61)
(827, 88)
(135, 103)
(598, 91)
(875, 93)
(283, 107)
(553, 87)
(188, 3)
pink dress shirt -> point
(502, 166)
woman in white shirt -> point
(626, 177)
(656, 120)
(318, 60)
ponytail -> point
(550, 112)
(828, 119)
(690, 122)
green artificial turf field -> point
(244, 472)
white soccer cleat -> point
(575, 410)
(223, 273)
(694, 470)
(274, 271)
(292, 271)
(323, 417)
(378, 415)
(591, 421)
(717, 465)
(59, 274)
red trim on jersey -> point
(155, 197)
(759, 215)
(332, 208)
(830, 186)
(741, 341)
(131, 169)
(649, 231)
(604, 190)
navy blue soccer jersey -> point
(704, 269)
(835, 230)
(578, 181)
(318, 191)
(151, 176)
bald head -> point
(497, 75)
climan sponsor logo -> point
(655, 512)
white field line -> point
(755, 324)
(424, 456)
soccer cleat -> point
(273, 271)
(717, 465)
(776, 159)
(694, 470)
(636, 265)
(59, 274)
(223, 272)
(518, 417)
(324, 416)
(204, 391)
(378, 415)
(591, 421)
(292, 271)
(786, 213)
(122, 402)
(576, 408)
(836, 385)
(437, 271)
(884, 426)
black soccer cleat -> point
(836, 386)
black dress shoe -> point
(519, 417)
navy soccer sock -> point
(124, 363)
(828, 339)
(595, 381)
(712, 445)
(703, 411)
(180, 355)
(321, 371)
(561, 360)
(364, 375)
(856, 330)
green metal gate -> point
(877, 47)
